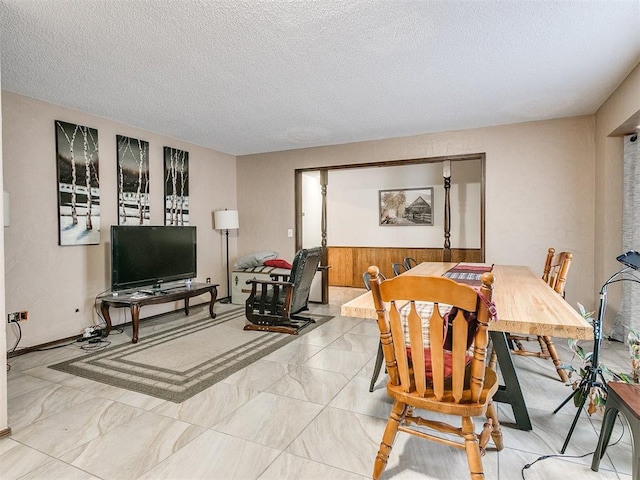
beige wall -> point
(353, 198)
(539, 181)
(51, 281)
(623, 104)
(579, 208)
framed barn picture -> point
(78, 184)
(406, 207)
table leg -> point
(135, 322)
(510, 392)
(186, 306)
(214, 294)
(104, 309)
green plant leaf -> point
(567, 366)
(624, 377)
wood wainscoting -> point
(349, 263)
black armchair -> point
(275, 306)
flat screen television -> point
(151, 255)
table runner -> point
(468, 273)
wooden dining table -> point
(525, 305)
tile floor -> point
(303, 412)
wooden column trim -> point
(324, 261)
(446, 253)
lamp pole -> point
(226, 220)
(227, 299)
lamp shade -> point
(225, 219)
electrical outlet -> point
(290, 233)
(17, 316)
(208, 279)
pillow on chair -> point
(278, 263)
(255, 259)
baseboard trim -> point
(54, 343)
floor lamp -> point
(226, 220)
(593, 376)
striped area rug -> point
(184, 356)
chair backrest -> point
(406, 367)
(556, 269)
(409, 263)
(366, 279)
(303, 269)
(398, 268)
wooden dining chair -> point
(434, 372)
(555, 273)
(366, 278)
(409, 263)
(398, 268)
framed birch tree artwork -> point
(176, 187)
(133, 181)
(78, 184)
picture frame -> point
(176, 186)
(78, 184)
(133, 181)
(406, 207)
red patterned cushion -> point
(278, 263)
(448, 368)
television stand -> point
(136, 300)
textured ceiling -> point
(249, 76)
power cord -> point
(17, 324)
(103, 322)
(559, 455)
(17, 342)
(95, 345)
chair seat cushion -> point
(448, 362)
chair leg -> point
(556, 359)
(472, 447)
(377, 367)
(544, 351)
(493, 360)
(609, 419)
(398, 412)
(496, 433)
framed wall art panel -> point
(406, 207)
(78, 184)
(176, 187)
(133, 181)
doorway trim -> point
(324, 179)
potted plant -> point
(634, 351)
(598, 394)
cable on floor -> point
(95, 346)
(559, 455)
